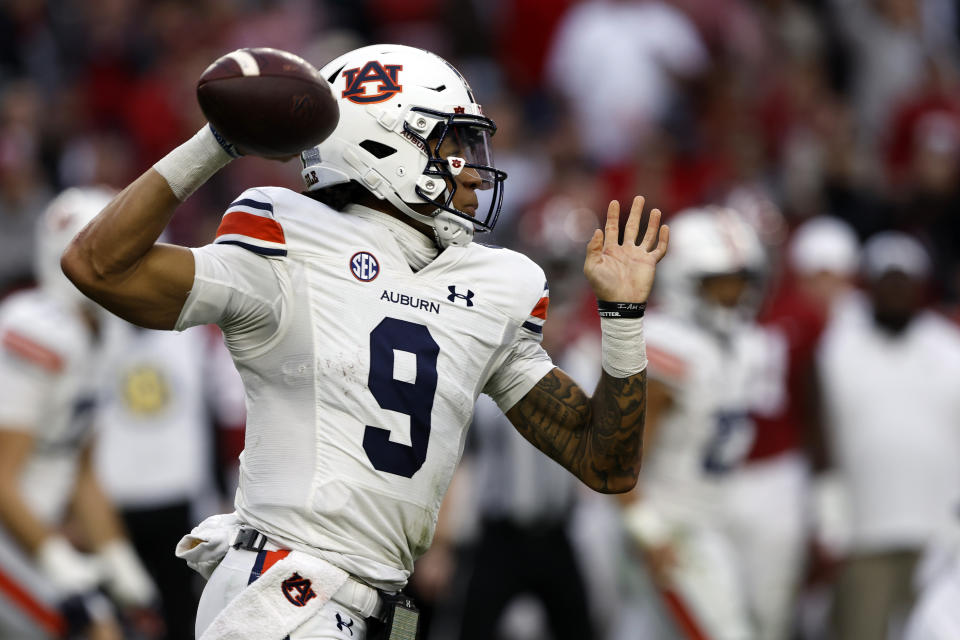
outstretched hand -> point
(624, 272)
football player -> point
(708, 370)
(365, 323)
(50, 347)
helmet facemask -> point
(724, 317)
(457, 143)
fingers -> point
(662, 242)
(653, 226)
(594, 249)
(632, 228)
(655, 238)
(611, 231)
(596, 242)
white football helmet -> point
(706, 242)
(63, 218)
(392, 99)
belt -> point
(362, 597)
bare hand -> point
(624, 272)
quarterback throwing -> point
(365, 322)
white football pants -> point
(336, 620)
(767, 511)
(937, 614)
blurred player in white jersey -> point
(163, 389)
(365, 323)
(50, 350)
(708, 372)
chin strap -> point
(449, 230)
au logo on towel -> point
(298, 590)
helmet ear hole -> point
(378, 149)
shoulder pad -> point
(527, 294)
(250, 223)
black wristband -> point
(620, 309)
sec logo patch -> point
(364, 266)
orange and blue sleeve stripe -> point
(538, 316)
(250, 224)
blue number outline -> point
(414, 399)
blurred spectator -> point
(28, 44)
(709, 370)
(937, 98)
(523, 31)
(618, 64)
(888, 369)
(52, 349)
(23, 191)
(927, 199)
(156, 450)
(525, 160)
(889, 41)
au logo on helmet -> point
(384, 75)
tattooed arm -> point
(600, 439)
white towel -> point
(206, 545)
(283, 598)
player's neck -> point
(418, 249)
(372, 202)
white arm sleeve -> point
(521, 367)
(238, 290)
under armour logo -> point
(341, 625)
(297, 590)
(468, 298)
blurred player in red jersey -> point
(768, 497)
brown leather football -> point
(267, 102)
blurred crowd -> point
(832, 127)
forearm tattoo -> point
(599, 439)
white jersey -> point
(893, 417)
(708, 430)
(48, 369)
(155, 439)
(360, 375)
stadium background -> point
(789, 109)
